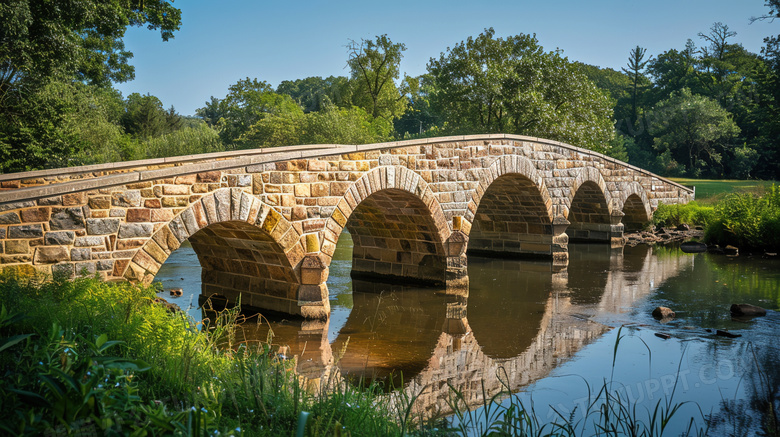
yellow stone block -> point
(312, 243)
(271, 220)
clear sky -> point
(223, 41)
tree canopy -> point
(489, 84)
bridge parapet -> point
(254, 217)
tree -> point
(247, 102)
(311, 92)
(635, 71)
(145, 117)
(212, 113)
(488, 84)
(695, 130)
(329, 125)
(374, 66)
(674, 70)
(47, 47)
(40, 41)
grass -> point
(709, 191)
(93, 357)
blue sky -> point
(223, 41)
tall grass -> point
(748, 221)
(92, 356)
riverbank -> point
(90, 356)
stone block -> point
(126, 199)
(90, 241)
(59, 238)
(320, 189)
(62, 269)
(83, 254)
(117, 212)
(105, 265)
(209, 176)
(51, 254)
(186, 179)
(85, 268)
(120, 266)
(152, 203)
(25, 231)
(10, 218)
(74, 199)
(173, 202)
(139, 215)
(99, 202)
(161, 215)
(176, 190)
(135, 230)
(129, 244)
(102, 226)
(97, 213)
(15, 247)
(13, 259)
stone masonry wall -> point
(266, 223)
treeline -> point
(708, 111)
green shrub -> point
(748, 221)
(185, 141)
(691, 214)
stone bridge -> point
(264, 223)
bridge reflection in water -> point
(520, 320)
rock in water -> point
(746, 310)
(693, 247)
(663, 313)
(731, 250)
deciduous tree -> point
(488, 84)
(375, 66)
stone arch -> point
(398, 227)
(510, 212)
(243, 245)
(635, 206)
(588, 207)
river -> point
(550, 337)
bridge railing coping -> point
(238, 158)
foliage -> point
(247, 102)
(145, 118)
(331, 125)
(747, 221)
(186, 141)
(313, 92)
(374, 67)
(689, 213)
(488, 84)
(76, 39)
(694, 129)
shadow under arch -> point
(635, 206)
(510, 211)
(589, 208)
(245, 248)
(397, 226)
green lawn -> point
(708, 191)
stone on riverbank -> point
(747, 310)
(661, 313)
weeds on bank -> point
(91, 356)
(740, 219)
(87, 355)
